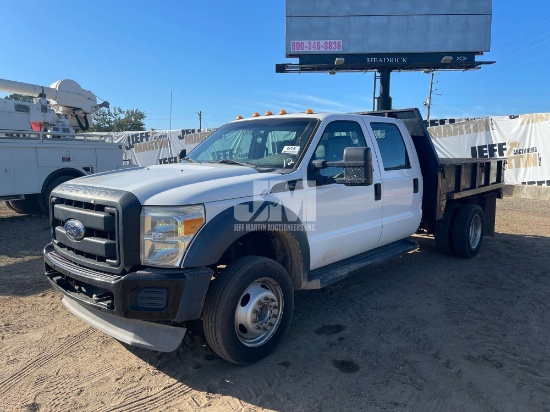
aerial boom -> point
(71, 103)
(26, 89)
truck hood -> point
(183, 183)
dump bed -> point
(449, 179)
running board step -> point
(319, 278)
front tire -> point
(248, 309)
(468, 231)
(9, 206)
(27, 206)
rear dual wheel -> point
(443, 229)
(248, 309)
(460, 231)
(468, 231)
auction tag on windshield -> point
(291, 149)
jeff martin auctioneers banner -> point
(158, 146)
(524, 140)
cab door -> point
(347, 219)
(401, 185)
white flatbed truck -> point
(261, 208)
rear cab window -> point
(391, 146)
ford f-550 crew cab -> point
(261, 208)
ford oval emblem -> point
(74, 229)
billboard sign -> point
(375, 27)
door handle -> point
(377, 191)
(415, 185)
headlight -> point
(166, 232)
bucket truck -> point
(39, 148)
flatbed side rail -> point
(460, 178)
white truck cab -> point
(264, 206)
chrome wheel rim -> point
(259, 312)
(476, 228)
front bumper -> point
(148, 335)
(151, 294)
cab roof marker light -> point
(282, 112)
(268, 113)
(239, 117)
(309, 111)
(255, 114)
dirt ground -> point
(425, 333)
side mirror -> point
(319, 164)
(357, 166)
(182, 154)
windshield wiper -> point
(231, 162)
(234, 162)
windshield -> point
(270, 143)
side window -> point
(391, 145)
(337, 136)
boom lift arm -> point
(63, 104)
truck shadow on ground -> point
(24, 218)
(408, 334)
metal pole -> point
(170, 131)
(200, 120)
(374, 92)
(384, 100)
(430, 98)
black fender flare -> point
(214, 238)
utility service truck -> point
(39, 148)
(261, 208)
